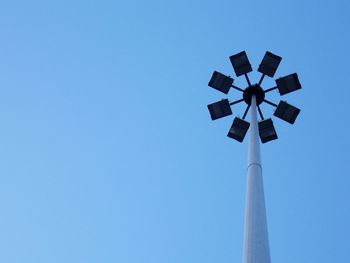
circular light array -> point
(268, 67)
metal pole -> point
(255, 243)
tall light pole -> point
(255, 241)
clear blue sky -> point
(108, 153)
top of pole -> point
(265, 128)
(254, 144)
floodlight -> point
(241, 63)
(238, 129)
(286, 112)
(219, 109)
(220, 82)
(254, 95)
(267, 131)
(288, 84)
(269, 64)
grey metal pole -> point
(255, 242)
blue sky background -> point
(108, 153)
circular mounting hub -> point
(254, 90)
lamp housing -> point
(267, 131)
(219, 109)
(220, 82)
(286, 112)
(269, 64)
(288, 84)
(240, 63)
(238, 129)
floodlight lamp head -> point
(267, 131)
(238, 129)
(240, 63)
(219, 109)
(269, 64)
(288, 84)
(220, 82)
(286, 112)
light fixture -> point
(240, 63)
(288, 84)
(267, 131)
(219, 109)
(238, 129)
(286, 112)
(220, 82)
(269, 64)
(267, 67)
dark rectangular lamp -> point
(219, 109)
(220, 82)
(286, 112)
(267, 131)
(269, 64)
(238, 129)
(288, 84)
(240, 63)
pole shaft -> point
(255, 242)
